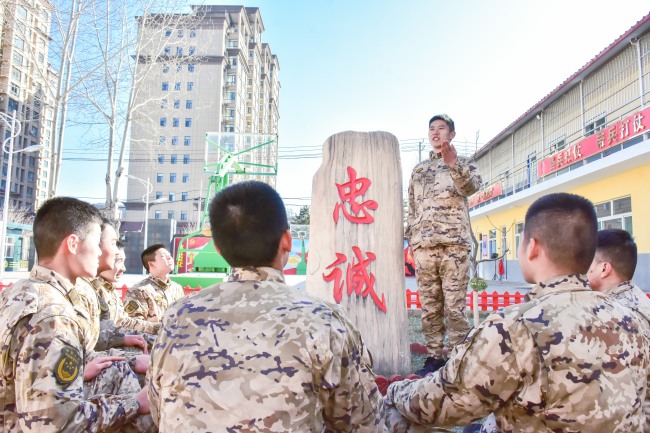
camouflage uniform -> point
(439, 234)
(570, 359)
(42, 357)
(102, 330)
(253, 354)
(106, 291)
(635, 299)
(150, 298)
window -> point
(190, 85)
(492, 243)
(19, 43)
(33, 131)
(187, 140)
(186, 177)
(170, 214)
(177, 85)
(15, 90)
(595, 125)
(190, 67)
(161, 159)
(172, 196)
(16, 74)
(165, 86)
(192, 33)
(18, 58)
(183, 215)
(192, 50)
(163, 121)
(184, 196)
(165, 69)
(180, 33)
(179, 67)
(43, 184)
(167, 50)
(168, 32)
(175, 140)
(615, 214)
(158, 195)
(179, 51)
(186, 159)
(162, 139)
(519, 231)
(22, 12)
(230, 96)
(504, 240)
(173, 159)
(157, 215)
(13, 105)
(188, 104)
(159, 178)
(30, 191)
(172, 177)
(32, 162)
(163, 103)
(188, 122)
(558, 144)
(177, 103)
(45, 164)
(176, 122)
(30, 176)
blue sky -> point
(378, 65)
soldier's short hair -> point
(149, 254)
(617, 247)
(445, 118)
(60, 217)
(247, 221)
(566, 226)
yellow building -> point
(589, 136)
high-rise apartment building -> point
(27, 83)
(207, 71)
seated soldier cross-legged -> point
(252, 353)
(571, 359)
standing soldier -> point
(149, 298)
(253, 354)
(42, 351)
(439, 234)
(569, 359)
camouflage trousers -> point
(119, 379)
(395, 422)
(442, 275)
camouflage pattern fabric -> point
(106, 291)
(253, 354)
(570, 359)
(438, 202)
(442, 275)
(150, 298)
(630, 295)
(43, 349)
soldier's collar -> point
(250, 273)
(560, 283)
(56, 280)
(435, 155)
(159, 282)
(620, 288)
(93, 282)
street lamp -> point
(145, 198)
(14, 126)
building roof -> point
(630, 36)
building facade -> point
(27, 84)
(207, 71)
(589, 136)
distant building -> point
(207, 71)
(27, 84)
(588, 136)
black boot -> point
(430, 365)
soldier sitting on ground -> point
(611, 272)
(42, 354)
(570, 359)
(253, 354)
(149, 299)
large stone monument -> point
(356, 253)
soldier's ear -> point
(533, 249)
(70, 243)
(286, 241)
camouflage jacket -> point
(438, 202)
(42, 360)
(116, 313)
(253, 354)
(570, 359)
(150, 298)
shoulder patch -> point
(102, 304)
(68, 366)
(131, 307)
